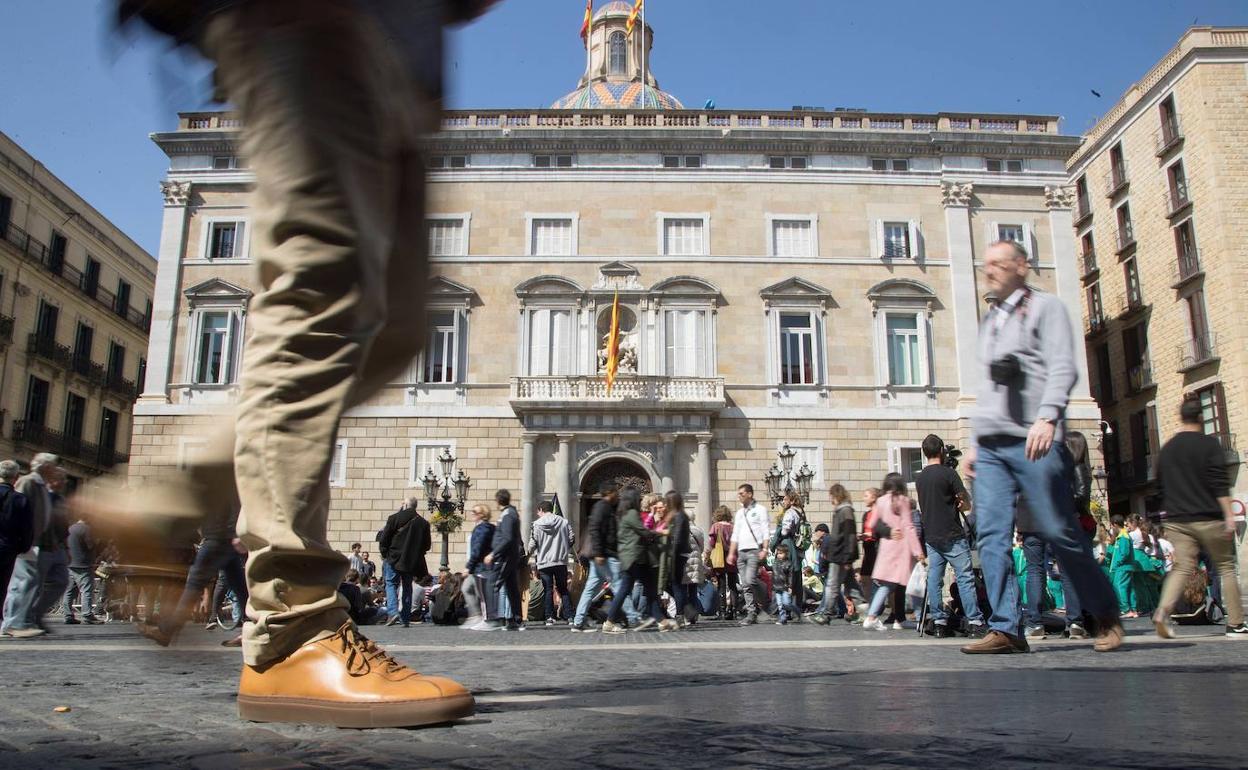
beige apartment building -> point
(1161, 210)
(75, 307)
(805, 277)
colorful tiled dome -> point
(611, 96)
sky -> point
(83, 100)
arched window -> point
(618, 62)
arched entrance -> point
(624, 473)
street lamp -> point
(782, 480)
(446, 514)
(786, 458)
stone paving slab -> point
(715, 696)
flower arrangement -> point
(446, 523)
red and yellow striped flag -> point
(613, 343)
(589, 20)
(632, 17)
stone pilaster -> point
(160, 344)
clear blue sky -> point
(83, 101)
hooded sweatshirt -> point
(551, 541)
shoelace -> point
(362, 653)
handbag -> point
(695, 570)
(917, 585)
(717, 554)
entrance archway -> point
(623, 473)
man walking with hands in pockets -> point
(748, 548)
(1026, 351)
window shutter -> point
(916, 240)
(232, 349)
(877, 248)
(1029, 242)
(993, 234)
(894, 459)
(539, 343)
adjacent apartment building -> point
(1161, 210)
(75, 308)
(806, 277)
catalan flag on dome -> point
(589, 18)
(632, 17)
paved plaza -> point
(713, 696)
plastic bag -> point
(917, 586)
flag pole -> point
(644, 55)
(589, 34)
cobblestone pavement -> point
(713, 696)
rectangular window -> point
(1135, 295)
(424, 459)
(447, 238)
(6, 214)
(904, 364)
(116, 361)
(1178, 186)
(225, 240)
(91, 277)
(1011, 233)
(1082, 204)
(897, 240)
(338, 466)
(683, 237)
(84, 340)
(1096, 313)
(448, 161)
(222, 162)
(1212, 409)
(682, 161)
(797, 349)
(123, 298)
(1105, 374)
(906, 460)
(1001, 165)
(552, 237)
(550, 342)
(141, 375)
(552, 161)
(442, 354)
(49, 316)
(108, 429)
(1202, 343)
(685, 343)
(787, 161)
(56, 252)
(792, 238)
(213, 365)
(1126, 232)
(890, 164)
(1117, 167)
(36, 402)
(1185, 247)
(1169, 121)
(75, 416)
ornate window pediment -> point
(216, 291)
(687, 288)
(902, 292)
(617, 276)
(443, 290)
(549, 287)
(796, 291)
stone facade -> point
(729, 238)
(73, 348)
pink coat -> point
(896, 558)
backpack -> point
(20, 535)
(803, 537)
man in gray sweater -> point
(1026, 351)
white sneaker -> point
(874, 624)
(611, 628)
(897, 626)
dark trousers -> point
(1035, 552)
(215, 555)
(555, 578)
(507, 584)
(726, 585)
(648, 578)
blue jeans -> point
(394, 582)
(1001, 472)
(648, 577)
(36, 586)
(214, 555)
(957, 555)
(882, 592)
(784, 605)
(1037, 584)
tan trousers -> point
(330, 120)
(1188, 538)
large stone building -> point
(1162, 205)
(75, 304)
(801, 277)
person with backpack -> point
(722, 572)
(790, 531)
(550, 542)
(896, 556)
(17, 525)
(838, 550)
(404, 542)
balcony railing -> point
(1083, 210)
(1140, 377)
(1115, 180)
(628, 391)
(127, 389)
(1175, 199)
(1187, 268)
(1197, 351)
(1089, 263)
(1126, 237)
(33, 249)
(1227, 440)
(1094, 324)
(51, 351)
(1131, 302)
(6, 329)
(1168, 136)
(48, 440)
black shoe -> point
(72, 621)
(91, 620)
(976, 630)
(1240, 631)
(943, 631)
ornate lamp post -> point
(782, 480)
(446, 514)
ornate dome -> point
(610, 96)
(617, 74)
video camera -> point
(951, 456)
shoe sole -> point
(356, 715)
(1164, 630)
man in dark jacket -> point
(604, 562)
(404, 542)
(506, 557)
(838, 550)
(81, 573)
(17, 527)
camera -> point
(1006, 370)
(951, 456)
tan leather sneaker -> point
(1110, 636)
(348, 681)
(997, 643)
